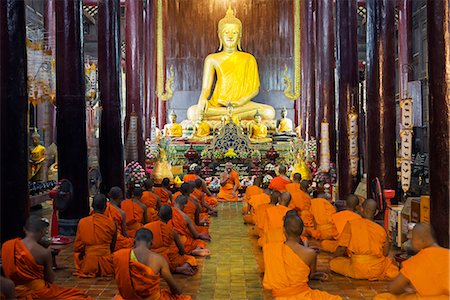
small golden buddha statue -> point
(285, 129)
(258, 131)
(37, 159)
(202, 130)
(237, 77)
(173, 129)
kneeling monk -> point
(138, 271)
(116, 214)
(367, 245)
(427, 271)
(94, 242)
(290, 265)
(29, 265)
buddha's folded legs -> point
(245, 112)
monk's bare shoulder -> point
(306, 254)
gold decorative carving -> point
(160, 70)
(297, 78)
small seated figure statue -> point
(173, 129)
(285, 128)
(37, 159)
(258, 131)
(202, 131)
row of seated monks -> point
(136, 240)
(283, 216)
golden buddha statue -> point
(37, 159)
(258, 131)
(173, 129)
(202, 130)
(285, 128)
(237, 78)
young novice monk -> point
(279, 183)
(164, 192)
(116, 214)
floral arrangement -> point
(247, 181)
(267, 178)
(206, 154)
(243, 155)
(329, 177)
(151, 150)
(218, 154)
(230, 153)
(134, 173)
(214, 185)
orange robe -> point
(287, 275)
(260, 218)
(164, 244)
(20, 266)
(134, 214)
(163, 195)
(138, 281)
(189, 177)
(249, 192)
(226, 190)
(180, 226)
(428, 273)
(91, 250)
(150, 200)
(254, 202)
(322, 211)
(189, 209)
(114, 214)
(211, 201)
(273, 226)
(340, 219)
(293, 187)
(279, 184)
(365, 242)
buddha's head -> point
(230, 31)
(36, 138)
(257, 117)
(173, 117)
(283, 112)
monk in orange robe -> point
(340, 219)
(167, 243)
(290, 265)
(164, 192)
(94, 242)
(201, 197)
(273, 226)
(254, 202)
(367, 245)
(135, 211)
(251, 191)
(294, 186)
(261, 212)
(322, 211)
(151, 200)
(29, 265)
(279, 183)
(138, 272)
(116, 214)
(189, 236)
(193, 210)
(209, 198)
(427, 272)
(229, 184)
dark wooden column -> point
(325, 71)
(71, 111)
(439, 109)
(162, 105)
(404, 45)
(381, 94)
(134, 68)
(111, 147)
(149, 64)
(308, 68)
(14, 122)
(347, 67)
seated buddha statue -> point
(173, 129)
(202, 131)
(285, 128)
(237, 78)
(37, 159)
(258, 131)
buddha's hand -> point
(202, 104)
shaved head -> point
(285, 199)
(352, 202)
(293, 224)
(99, 203)
(115, 193)
(257, 181)
(423, 236)
(304, 185)
(185, 188)
(297, 177)
(324, 196)
(181, 201)
(369, 209)
(165, 213)
(36, 224)
(282, 170)
(275, 197)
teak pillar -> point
(150, 64)
(71, 111)
(14, 122)
(325, 71)
(380, 128)
(111, 147)
(404, 45)
(347, 67)
(439, 110)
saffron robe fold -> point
(20, 266)
(260, 218)
(164, 244)
(287, 275)
(301, 202)
(163, 195)
(293, 187)
(279, 184)
(254, 202)
(180, 226)
(189, 209)
(273, 225)
(428, 273)
(91, 251)
(198, 193)
(138, 281)
(323, 211)
(365, 241)
(249, 192)
(339, 219)
(114, 214)
(150, 200)
(226, 190)
(189, 177)
(134, 214)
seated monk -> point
(261, 211)
(185, 228)
(290, 265)
(164, 192)
(279, 183)
(201, 197)
(7, 288)
(94, 242)
(294, 186)
(209, 198)
(273, 226)
(29, 265)
(340, 219)
(367, 245)
(323, 211)
(151, 200)
(301, 202)
(250, 191)
(116, 214)
(192, 209)
(229, 184)
(135, 210)
(167, 243)
(138, 272)
(254, 202)
(426, 274)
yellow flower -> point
(230, 153)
